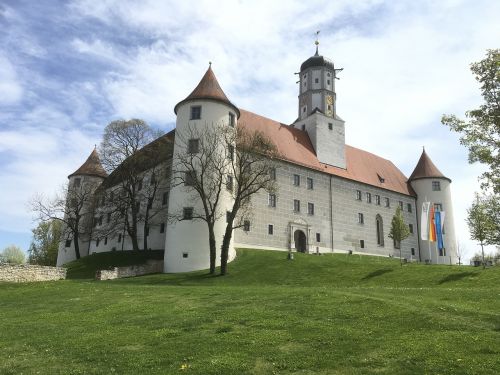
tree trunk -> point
(400, 255)
(225, 248)
(213, 248)
(145, 242)
(77, 245)
(482, 255)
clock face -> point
(329, 99)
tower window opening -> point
(187, 213)
(408, 206)
(195, 112)
(189, 178)
(328, 81)
(316, 80)
(270, 229)
(362, 244)
(67, 243)
(272, 200)
(361, 219)
(246, 225)
(436, 186)
(77, 182)
(119, 237)
(310, 208)
(318, 237)
(296, 205)
(232, 119)
(296, 180)
(310, 183)
(330, 126)
(162, 228)
(358, 195)
(377, 200)
(193, 146)
(410, 227)
(229, 183)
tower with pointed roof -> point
(205, 109)
(431, 185)
(317, 110)
(81, 185)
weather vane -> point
(316, 42)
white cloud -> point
(11, 90)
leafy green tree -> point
(399, 230)
(44, 246)
(480, 132)
(481, 223)
(12, 254)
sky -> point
(68, 68)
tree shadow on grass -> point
(455, 277)
(377, 273)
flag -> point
(432, 225)
(424, 221)
(439, 230)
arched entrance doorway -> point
(299, 238)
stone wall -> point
(151, 266)
(29, 273)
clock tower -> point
(318, 109)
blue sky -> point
(68, 68)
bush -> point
(12, 254)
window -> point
(150, 203)
(327, 81)
(105, 240)
(229, 183)
(67, 243)
(187, 213)
(310, 208)
(232, 119)
(387, 202)
(270, 229)
(362, 244)
(303, 126)
(164, 199)
(358, 195)
(272, 173)
(162, 228)
(410, 227)
(230, 152)
(193, 146)
(361, 219)
(100, 220)
(139, 185)
(401, 205)
(318, 237)
(408, 207)
(296, 180)
(228, 216)
(436, 186)
(310, 183)
(438, 207)
(137, 206)
(246, 225)
(380, 230)
(77, 182)
(296, 205)
(189, 178)
(272, 200)
(377, 200)
(146, 231)
(119, 237)
(152, 180)
(330, 126)
(195, 112)
(97, 243)
(412, 251)
(185, 255)
(108, 218)
(368, 198)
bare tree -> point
(203, 169)
(125, 156)
(252, 166)
(73, 207)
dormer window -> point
(195, 112)
(380, 178)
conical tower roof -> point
(208, 89)
(91, 167)
(426, 169)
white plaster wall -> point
(423, 188)
(190, 236)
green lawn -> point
(332, 314)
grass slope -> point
(334, 314)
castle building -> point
(331, 198)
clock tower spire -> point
(318, 108)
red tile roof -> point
(91, 167)
(426, 169)
(208, 88)
(295, 146)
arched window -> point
(380, 230)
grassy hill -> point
(330, 314)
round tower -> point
(81, 187)
(432, 186)
(186, 244)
